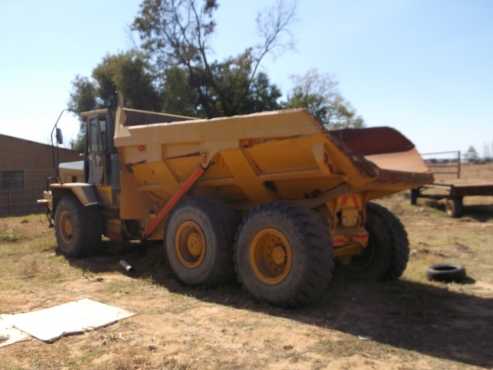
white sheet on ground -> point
(9, 334)
(74, 317)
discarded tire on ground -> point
(199, 236)
(387, 253)
(446, 273)
(283, 254)
(78, 229)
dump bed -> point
(261, 157)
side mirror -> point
(59, 136)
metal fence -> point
(444, 163)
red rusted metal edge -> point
(173, 201)
(373, 140)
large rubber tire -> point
(311, 259)
(85, 230)
(446, 273)
(387, 253)
(217, 223)
(414, 196)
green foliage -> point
(177, 96)
(234, 91)
(318, 94)
(130, 75)
(9, 235)
(83, 95)
(127, 73)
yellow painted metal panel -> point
(284, 155)
(246, 176)
(133, 203)
(272, 155)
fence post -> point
(459, 164)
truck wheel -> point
(387, 253)
(414, 196)
(77, 228)
(455, 207)
(198, 242)
(283, 254)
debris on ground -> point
(8, 334)
(52, 323)
(446, 273)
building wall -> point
(24, 168)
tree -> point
(231, 76)
(83, 95)
(176, 34)
(177, 96)
(318, 93)
(174, 70)
(472, 154)
(127, 73)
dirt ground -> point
(408, 324)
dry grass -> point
(407, 324)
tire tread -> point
(398, 238)
(315, 235)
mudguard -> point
(85, 193)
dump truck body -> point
(289, 150)
(260, 158)
(141, 165)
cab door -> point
(96, 150)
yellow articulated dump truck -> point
(273, 197)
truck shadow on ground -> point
(426, 319)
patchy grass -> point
(9, 235)
(408, 324)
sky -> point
(424, 67)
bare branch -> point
(273, 26)
(202, 46)
(314, 83)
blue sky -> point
(422, 66)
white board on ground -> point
(74, 317)
(9, 334)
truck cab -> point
(90, 188)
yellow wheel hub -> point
(194, 244)
(66, 226)
(278, 255)
(190, 244)
(271, 256)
